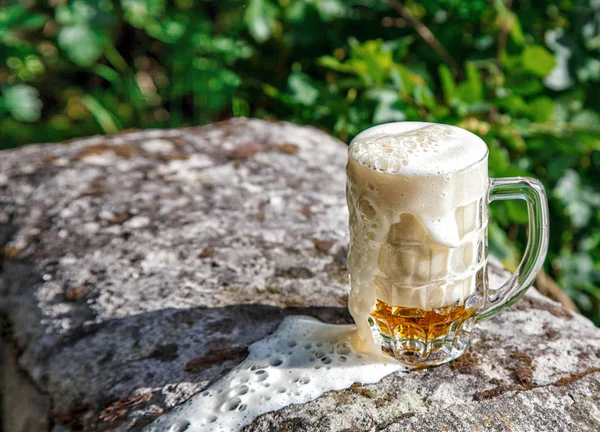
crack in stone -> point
(500, 390)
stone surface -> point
(138, 268)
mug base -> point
(416, 345)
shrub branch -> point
(426, 34)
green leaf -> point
(167, 30)
(448, 84)
(501, 247)
(385, 113)
(23, 102)
(514, 105)
(570, 192)
(82, 45)
(260, 17)
(332, 63)
(105, 119)
(586, 119)
(542, 108)
(388, 106)
(303, 91)
(471, 90)
(140, 12)
(423, 96)
(19, 17)
(517, 212)
(372, 61)
(330, 9)
(524, 84)
(516, 32)
(538, 60)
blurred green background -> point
(524, 75)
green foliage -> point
(525, 79)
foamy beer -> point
(417, 196)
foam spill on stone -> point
(302, 360)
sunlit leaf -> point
(260, 17)
(471, 90)
(538, 60)
(570, 192)
(448, 84)
(104, 117)
(542, 108)
(23, 102)
(303, 91)
(81, 44)
(586, 118)
(501, 247)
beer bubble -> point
(344, 349)
(231, 404)
(180, 426)
(367, 210)
(261, 375)
(276, 361)
(239, 391)
(395, 166)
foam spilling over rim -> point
(302, 360)
(417, 148)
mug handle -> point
(532, 191)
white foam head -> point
(417, 148)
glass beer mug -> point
(418, 196)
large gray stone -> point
(138, 268)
